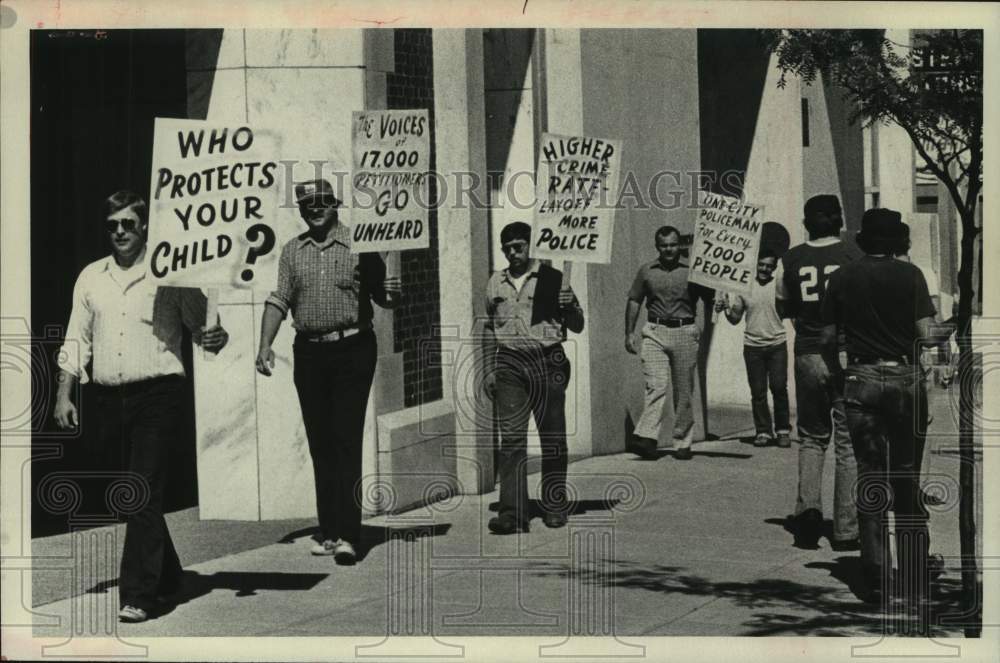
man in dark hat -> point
(885, 311)
(818, 372)
(530, 307)
(329, 292)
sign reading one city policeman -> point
(726, 240)
(391, 159)
(213, 197)
(576, 183)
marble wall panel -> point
(304, 48)
(226, 419)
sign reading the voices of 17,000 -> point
(576, 183)
(213, 197)
(391, 150)
(726, 240)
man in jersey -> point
(885, 309)
(806, 268)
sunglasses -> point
(128, 225)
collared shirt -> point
(510, 310)
(125, 324)
(667, 292)
(324, 285)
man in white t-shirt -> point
(764, 351)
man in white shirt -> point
(129, 330)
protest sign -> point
(576, 184)
(213, 199)
(726, 240)
(391, 151)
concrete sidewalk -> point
(654, 548)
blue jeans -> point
(820, 401)
(886, 410)
(768, 366)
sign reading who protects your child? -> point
(575, 187)
(391, 154)
(726, 241)
(213, 200)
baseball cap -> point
(312, 189)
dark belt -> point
(138, 385)
(877, 361)
(671, 322)
(332, 336)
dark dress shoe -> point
(806, 528)
(845, 545)
(683, 454)
(644, 448)
(507, 525)
(554, 519)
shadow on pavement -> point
(373, 536)
(782, 607)
(194, 585)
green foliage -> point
(932, 89)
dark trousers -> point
(532, 383)
(886, 407)
(768, 366)
(333, 381)
(141, 419)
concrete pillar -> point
(563, 114)
(775, 180)
(253, 459)
(459, 110)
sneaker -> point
(343, 553)
(784, 440)
(684, 453)
(323, 549)
(132, 615)
(762, 440)
(507, 524)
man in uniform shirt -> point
(131, 331)
(669, 343)
(885, 310)
(529, 308)
(329, 292)
(818, 376)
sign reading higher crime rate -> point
(391, 152)
(213, 196)
(575, 175)
(726, 240)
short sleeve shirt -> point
(878, 300)
(806, 270)
(667, 292)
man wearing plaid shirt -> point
(329, 292)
